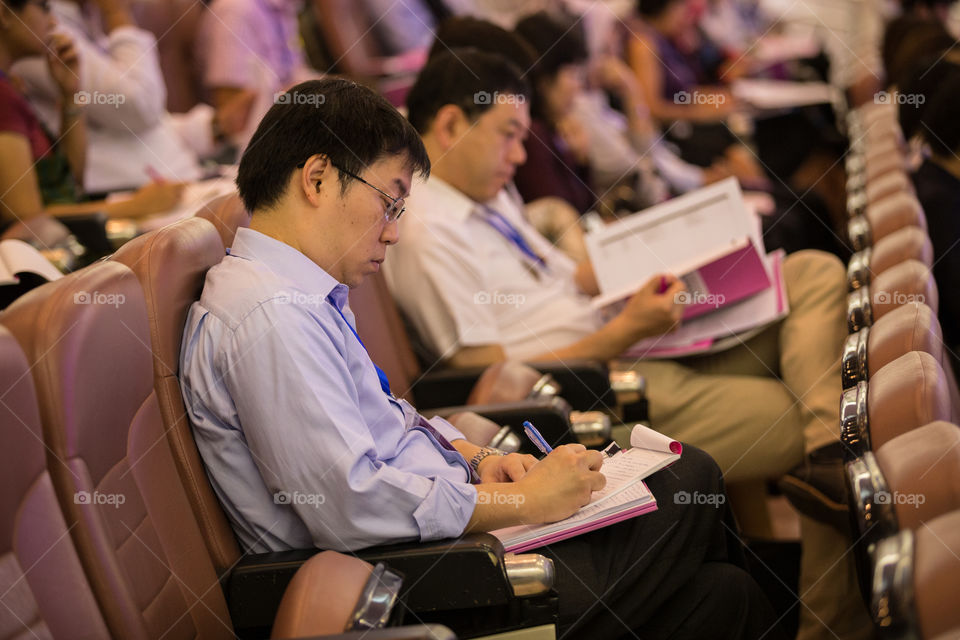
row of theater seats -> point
(900, 405)
(146, 547)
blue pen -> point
(536, 438)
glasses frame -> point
(396, 205)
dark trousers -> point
(674, 573)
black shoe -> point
(817, 488)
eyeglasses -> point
(394, 210)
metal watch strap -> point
(479, 456)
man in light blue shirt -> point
(305, 446)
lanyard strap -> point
(503, 226)
(384, 382)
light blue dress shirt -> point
(301, 445)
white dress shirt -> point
(302, 446)
(462, 283)
(130, 135)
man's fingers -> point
(594, 459)
(513, 467)
(597, 481)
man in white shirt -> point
(132, 138)
(479, 285)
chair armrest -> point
(434, 574)
(410, 632)
(446, 387)
(585, 384)
(550, 415)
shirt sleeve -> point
(228, 58)
(300, 411)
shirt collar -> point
(288, 264)
(455, 205)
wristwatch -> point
(479, 456)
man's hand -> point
(509, 468)
(559, 484)
(651, 312)
(64, 65)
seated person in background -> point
(479, 284)
(938, 188)
(132, 140)
(41, 173)
(283, 397)
(250, 50)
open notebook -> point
(624, 496)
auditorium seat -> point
(171, 264)
(43, 590)
(908, 392)
(138, 542)
(227, 214)
(907, 243)
(909, 282)
(883, 217)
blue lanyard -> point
(496, 220)
(384, 382)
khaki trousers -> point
(759, 407)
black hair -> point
(556, 45)
(467, 78)
(466, 31)
(908, 39)
(16, 5)
(920, 83)
(940, 125)
(354, 126)
(652, 8)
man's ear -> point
(449, 125)
(315, 169)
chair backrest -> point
(894, 212)
(227, 214)
(889, 184)
(936, 575)
(87, 340)
(907, 393)
(910, 327)
(171, 264)
(506, 381)
(907, 243)
(380, 326)
(905, 283)
(922, 470)
(45, 592)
